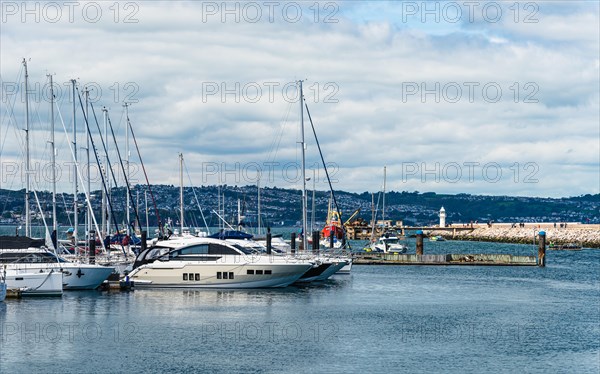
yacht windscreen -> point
(244, 250)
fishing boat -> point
(437, 238)
(333, 231)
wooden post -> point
(542, 249)
(92, 247)
(331, 237)
(419, 242)
(315, 241)
(293, 243)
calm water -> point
(378, 319)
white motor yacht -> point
(195, 262)
(388, 244)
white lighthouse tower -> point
(442, 217)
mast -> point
(127, 170)
(383, 208)
(27, 161)
(137, 204)
(106, 195)
(239, 215)
(304, 208)
(53, 156)
(312, 210)
(89, 213)
(373, 217)
(75, 221)
(147, 220)
(258, 192)
(181, 191)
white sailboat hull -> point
(46, 283)
(85, 277)
(75, 276)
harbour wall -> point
(587, 236)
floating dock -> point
(443, 259)
(370, 258)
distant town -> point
(281, 207)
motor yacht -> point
(195, 262)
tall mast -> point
(75, 221)
(373, 217)
(304, 228)
(27, 161)
(147, 220)
(127, 162)
(312, 210)
(106, 212)
(137, 205)
(181, 191)
(383, 209)
(88, 216)
(258, 192)
(239, 215)
(53, 156)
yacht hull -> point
(48, 283)
(85, 277)
(168, 275)
(346, 269)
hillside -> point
(282, 206)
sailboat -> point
(327, 265)
(388, 242)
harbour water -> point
(378, 319)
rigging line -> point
(278, 136)
(10, 109)
(196, 197)
(128, 124)
(47, 232)
(77, 171)
(128, 189)
(88, 193)
(12, 121)
(325, 167)
(104, 185)
(149, 187)
(62, 194)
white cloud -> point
(359, 70)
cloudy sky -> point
(482, 98)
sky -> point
(495, 98)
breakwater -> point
(586, 235)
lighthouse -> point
(442, 217)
